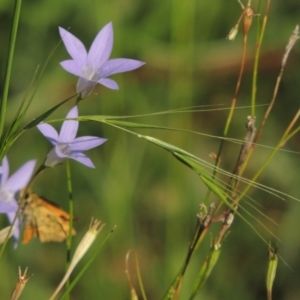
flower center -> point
(90, 73)
(64, 148)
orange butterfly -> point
(44, 219)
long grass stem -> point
(71, 212)
(12, 43)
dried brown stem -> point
(22, 280)
(292, 40)
(251, 138)
(246, 146)
(227, 221)
(203, 222)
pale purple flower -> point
(94, 66)
(9, 186)
(66, 145)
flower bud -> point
(86, 241)
(232, 33)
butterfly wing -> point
(30, 228)
(44, 220)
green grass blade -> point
(47, 114)
(12, 43)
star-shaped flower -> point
(94, 66)
(9, 186)
(66, 145)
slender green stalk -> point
(139, 276)
(257, 55)
(206, 269)
(12, 43)
(247, 15)
(71, 212)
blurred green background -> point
(149, 195)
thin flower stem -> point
(71, 212)
(138, 271)
(291, 125)
(293, 38)
(290, 135)
(247, 15)
(207, 267)
(257, 54)
(204, 219)
(12, 43)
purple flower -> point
(9, 186)
(66, 145)
(94, 66)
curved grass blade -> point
(47, 113)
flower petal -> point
(74, 46)
(109, 83)
(48, 132)
(85, 86)
(83, 159)
(53, 159)
(85, 143)
(69, 128)
(72, 67)
(101, 47)
(21, 177)
(11, 217)
(5, 171)
(7, 207)
(119, 65)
